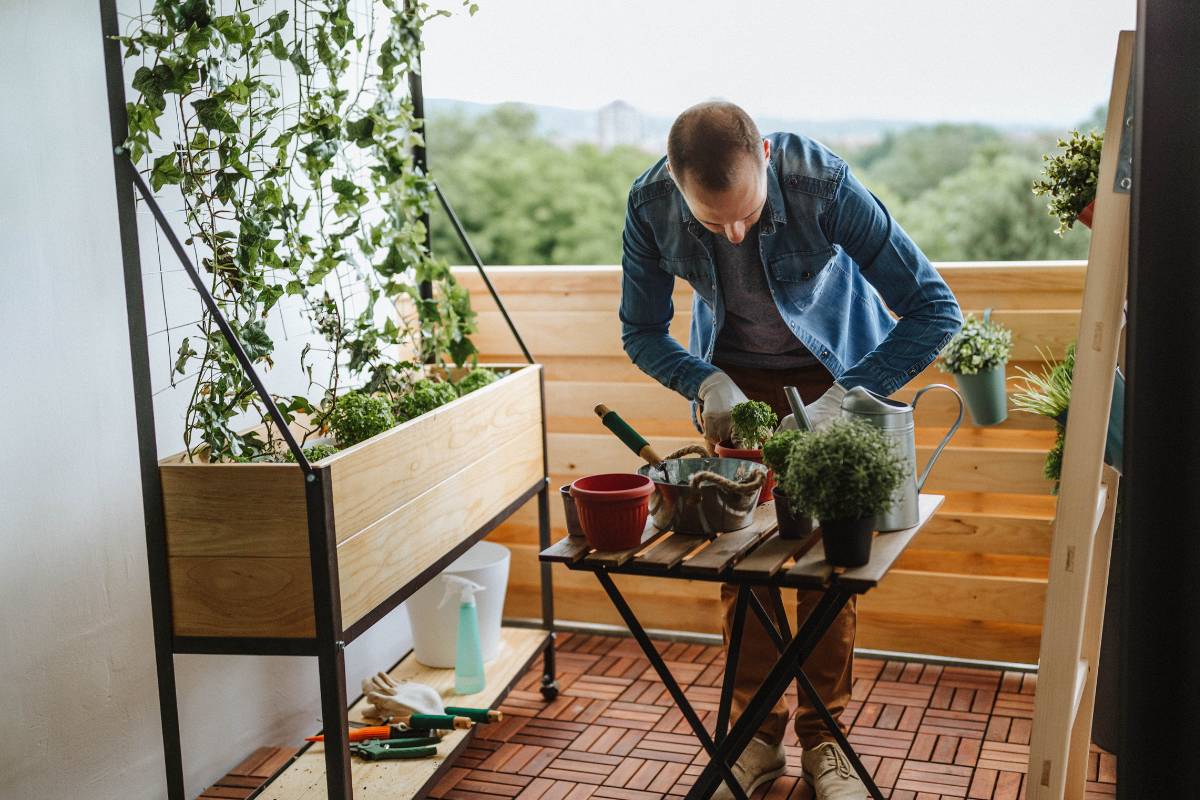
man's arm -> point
(646, 312)
(907, 282)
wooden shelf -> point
(304, 779)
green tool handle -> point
(483, 715)
(436, 722)
(394, 753)
(631, 438)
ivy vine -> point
(289, 135)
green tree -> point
(986, 212)
(913, 161)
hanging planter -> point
(1085, 216)
(1069, 179)
(977, 356)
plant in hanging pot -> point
(753, 424)
(976, 356)
(844, 475)
(775, 453)
(1070, 179)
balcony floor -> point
(926, 731)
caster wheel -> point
(550, 690)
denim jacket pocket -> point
(801, 276)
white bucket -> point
(435, 630)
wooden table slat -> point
(669, 551)
(730, 547)
(770, 555)
(615, 558)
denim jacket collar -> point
(775, 205)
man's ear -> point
(766, 149)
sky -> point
(1011, 62)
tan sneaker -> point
(760, 763)
(830, 774)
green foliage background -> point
(963, 192)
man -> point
(791, 261)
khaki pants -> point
(829, 666)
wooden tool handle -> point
(632, 439)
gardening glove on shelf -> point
(388, 698)
(718, 395)
(825, 409)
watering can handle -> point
(949, 433)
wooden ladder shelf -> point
(1083, 528)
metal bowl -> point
(705, 509)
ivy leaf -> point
(269, 296)
(184, 355)
(361, 131)
(276, 22)
(254, 338)
(214, 116)
(278, 48)
(301, 63)
(165, 171)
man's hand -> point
(825, 409)
(718, 395)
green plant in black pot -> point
(424, 396)
(776, 452)
(1070, 179)
(976, 356)
(844, 475)
(357, 416)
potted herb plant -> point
(753, 424)
(775, 454)
(977, 356)
(844, 476)
(1069, 178)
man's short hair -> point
(708, 141)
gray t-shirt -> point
(754, 334)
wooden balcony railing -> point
(973, 585)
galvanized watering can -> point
(895, 419)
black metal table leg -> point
(773, 687)
(732, 652)
(549, 670)
(656, 661)
(805, 685)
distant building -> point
(619, 123)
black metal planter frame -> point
(329, 644)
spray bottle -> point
(469, 676)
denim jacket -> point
(833, 257)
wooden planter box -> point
(237, 534)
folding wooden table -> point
(751, 557)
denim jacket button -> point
(806, 275)
(824, 354)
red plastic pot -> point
(613, 508)
(727, 450)
(1085, 216)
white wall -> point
(78, 703)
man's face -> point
(733, 211)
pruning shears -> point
(394, 749)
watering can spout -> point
(895, 419)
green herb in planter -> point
(777, 449)
(1048, 394)
(476, 379)
(1070, 177)
(424, 396)
(357, 417)
(981, 346)
(753, 424)
(848, 471)
(313, 452)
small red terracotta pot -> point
(1085, 216)
(727, 450)
(613, 508)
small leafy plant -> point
(848, 471)
(776, 451)
(753, 424)
(357, 416)
(313, 453)
(424, 396)
(1070, 177)
(981, 346)
(476, 379)
(1048, 394)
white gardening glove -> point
(718, 395)
(825, 409)
(391, 698)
